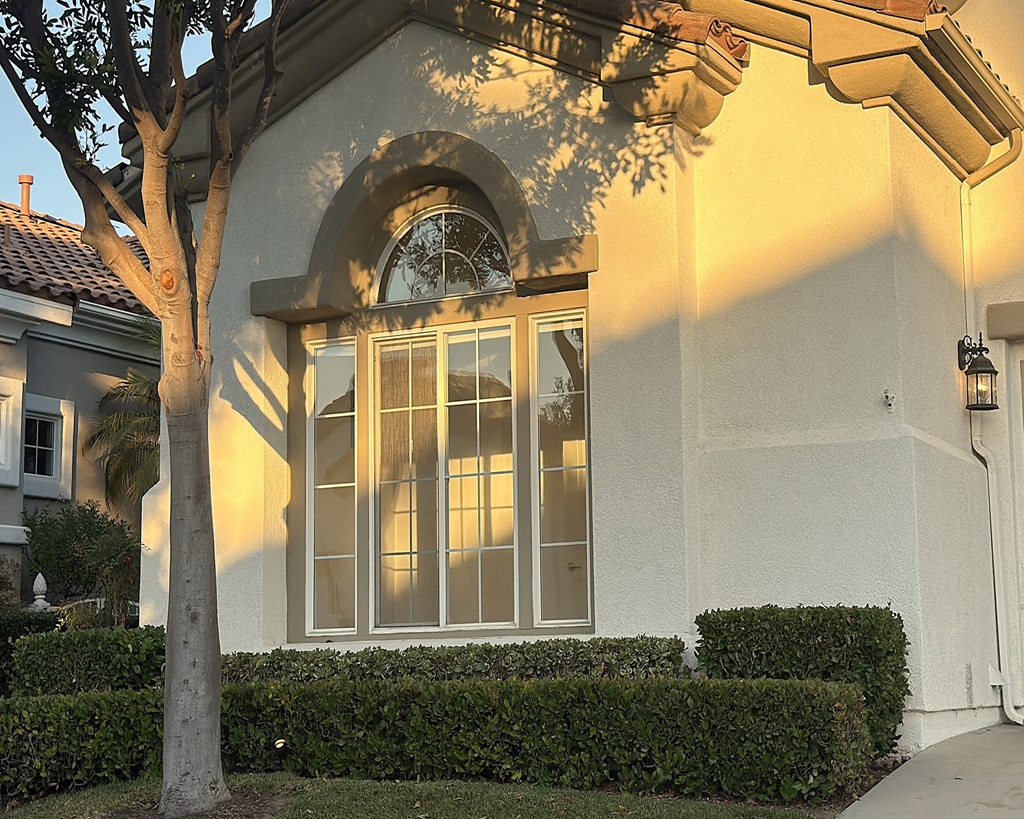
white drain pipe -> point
(1005, 677)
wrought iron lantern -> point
(980, 373)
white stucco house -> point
(571, 318)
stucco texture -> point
(761, 288)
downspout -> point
(1005, 681)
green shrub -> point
(14, 624)
(89, 664)
(58, 743)
(866, 646)
(10, 589)
(104, 659)
(83, 552)
(601, 657)
(764, 739)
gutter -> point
(1002, 677)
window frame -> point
(12, 392)
(379, 301)
(408, 321)
(62, 413)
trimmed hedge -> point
(598, 658)
(101, 659)
(15, 624)
(762, 739)
(114, 659)
(865, 645)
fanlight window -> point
(449, 252)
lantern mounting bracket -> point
(967, 350)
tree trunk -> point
(193, 781)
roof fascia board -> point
(596, 48)
(104, 330)
(924, 70)
(19, 312)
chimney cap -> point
(26, 179)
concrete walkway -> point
(975, 774)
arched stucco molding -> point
(908, 55)
(388, 186)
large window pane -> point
(560, 357)
(563, 506)
(424, 443)
(334, 585)
(463, 513)
(394, 376)
(335, 379)
(496, 511)
(424, 525)
(497, 585)
(395, 516)
(462, 441)
(462, 366)
(496, 436)
(496, 363)
(335, 440)
(564, 582)
(394, 446)
(334, 526)
(408, 590)
(464, 587)
(424, 373)
(562, 430)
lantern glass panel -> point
(981, 391)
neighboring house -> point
(67, 334)
(572, 318)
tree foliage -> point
(126, 435)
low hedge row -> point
(15, 624)
(865, 645)
(101, 659)
(762, 739)
(115, 659)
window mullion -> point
(441, 396)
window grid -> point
(560, 597)
(412, 554)
(40, 446)
(333, 551)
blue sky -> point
(23, 151)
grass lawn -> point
(264, 796)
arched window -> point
(443, 251)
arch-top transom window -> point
(447, 251)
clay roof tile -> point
(45, 257)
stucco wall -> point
(761, 288)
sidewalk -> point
(976, 774)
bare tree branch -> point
(271, 76)
(241, 12)
(113, 250)
(71, 152)
(177, 118)
(129, 72)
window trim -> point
(62, 413)
(377, 299)
(394, 320)
(12, 392)
(537, 319)
(309, 387)
(439, 332)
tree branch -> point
(271, 76)
(71, 152)
(177, 118)
(129, 71)
(113, 250)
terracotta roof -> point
(44, 257)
